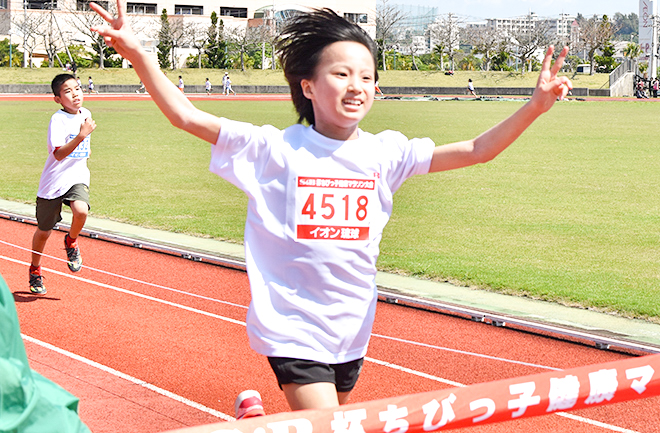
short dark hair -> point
(304, 38)
(58, 81)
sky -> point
(481, 9)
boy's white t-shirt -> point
(59, 176)
(316, 212)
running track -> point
(177, 328)
(177, 325)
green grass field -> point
(276, 77)
(569, 213)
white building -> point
(145, 16)
(560, 28)
(513, 25)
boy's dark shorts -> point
(302, 371)
(49, 211)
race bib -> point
(334, 209)
(82, 150)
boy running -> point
(65, 178)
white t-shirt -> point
(59, 176)
(316, 212)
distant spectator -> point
(208, 87)
(470, 88)
(227, 85)
(640, 93)
(90, 86)
(378, 89)
(181, 86)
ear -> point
(58, 100)
(306, 86)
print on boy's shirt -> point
(334, 208)
(80, 152)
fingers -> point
(560, 61)
(102, 12)
(547, 61)
(563, 85)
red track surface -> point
(196, 347)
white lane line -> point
(463, 352)
(128, 292)
(131, 379)
(146, 283)
(595, 423)
(382, 363)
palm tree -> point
(632, 51)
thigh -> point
(311, 396)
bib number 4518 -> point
(330, 205)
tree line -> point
(456, 45)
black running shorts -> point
(302, 371)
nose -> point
(354, 84)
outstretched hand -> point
(118, 34)
(550, 87)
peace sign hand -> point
(550, 87)
(118, 34)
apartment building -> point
(145, 15)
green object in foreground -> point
(29, 403)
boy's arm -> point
(85, 129)
(174, 105)
(492, 142)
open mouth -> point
(352, 102)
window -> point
(83, 5)
(356, 18)
(233, 12)
(3, 4)
(41, 4)
(188, 10)
(141, 8)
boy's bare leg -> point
(314, 395)
(38, 245)
(79, 209)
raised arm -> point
(174, 105)
(491, 143)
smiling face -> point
(342, 89)
(70, 97)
